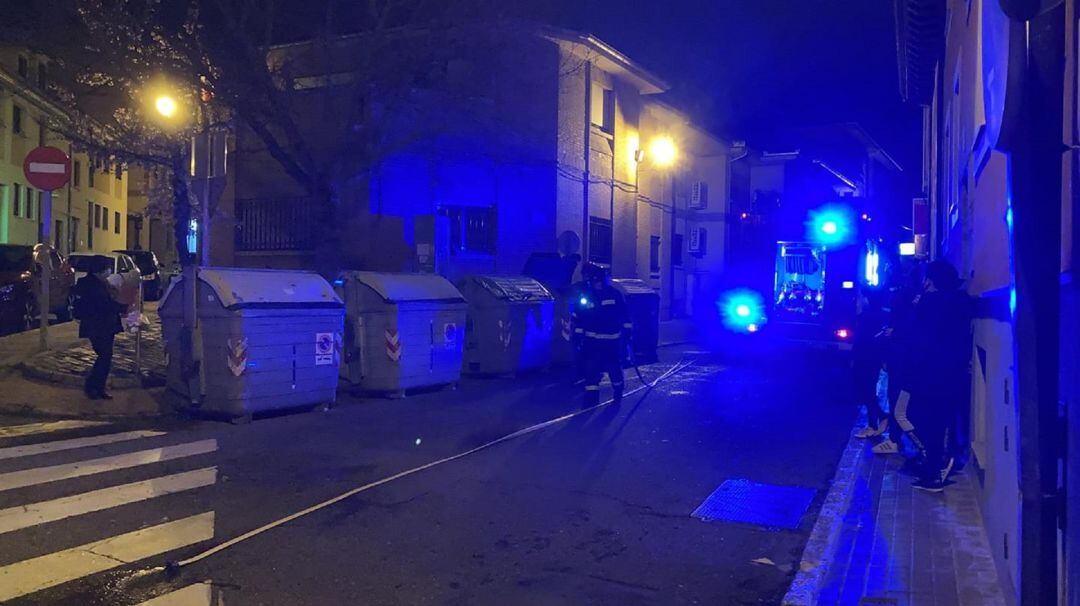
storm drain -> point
(739, 500)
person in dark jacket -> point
(99, 321)
(867, 359)
(602, 323)
(940, 375)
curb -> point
(68, 380)
(821, 547)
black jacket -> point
(99, 314)
(601, 314)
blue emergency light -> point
(742, 310)
(831, 225)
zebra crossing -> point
(52, 482)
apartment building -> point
(550, 141)
(90, 214)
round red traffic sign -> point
(47, 168)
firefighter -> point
(602, 325)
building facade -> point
(998, 84)
(552, 143)
(90, 213)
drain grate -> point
(739, 500)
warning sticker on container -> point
(324, 348)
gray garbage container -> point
(643, 305)
(509, 325)
(402, 331)
(270, 340)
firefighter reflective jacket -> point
(600, 315)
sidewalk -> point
(894, 545)
(50, 383)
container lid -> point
(514, 288)
(240, 288)
(633, 286)
(397, 288)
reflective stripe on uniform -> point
(608, 302)
(592, 388)
(603, 336)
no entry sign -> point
(47, 168)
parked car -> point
(20, 268)
(123, 266)
(153, 280)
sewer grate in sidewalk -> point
(740, 500)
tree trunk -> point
(181, 206)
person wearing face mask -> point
(99, 321)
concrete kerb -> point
(821, 547)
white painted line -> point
(41, 475)
(25, 516)
(13, 452)
(15, 431)
(199, 594)
(48, 168)
(35, 574)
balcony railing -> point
(278, 224)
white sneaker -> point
(871, 432)
(886, 447)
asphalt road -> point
(591, 510)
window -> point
(29, 203)
(16, 200)
(97, 216)
(24, 66)
(42, 75)
(676, 249)
(16, 119)
(90, 174)
(599, 240)
(73, 245)
(58, 232)
(119, 171)
(105, 219)
(472, 229)
(654, 256)
(90, 225)
(602, 108)
(116, 222)
(76, 173)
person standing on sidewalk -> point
(99, 321)
(866, 353)
(603, 325)
(942, 340)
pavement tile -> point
(911, 547)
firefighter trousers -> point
(598, 359)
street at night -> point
(539, 302)
(593, 509)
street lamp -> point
(662, 151)
(166, 106)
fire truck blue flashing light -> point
(742, 310)
(831, 225)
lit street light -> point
(166, 106)
(662, 151)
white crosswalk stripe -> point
(35, 574)
(24, 516)
(14, 452)
(41, 475)
(147, 531)
(30, 429)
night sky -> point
(749, 68)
